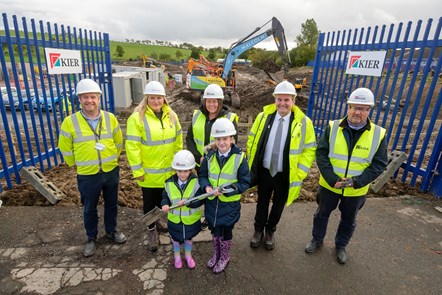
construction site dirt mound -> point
(255, 88)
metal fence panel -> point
(408, 94)
(33, 103)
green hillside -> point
(135, 51)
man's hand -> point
(343, 183)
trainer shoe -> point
(89, 248)
(117, 237)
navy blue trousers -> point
(90, 187)
(349, 207)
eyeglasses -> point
(361, 109)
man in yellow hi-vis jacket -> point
(281, 149)
(91, 140)
(351, 153)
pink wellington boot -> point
(215, 257)
(178, 262)
(190, 262)
(224, 256)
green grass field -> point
(135, 51)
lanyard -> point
(97, 135)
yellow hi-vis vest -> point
(151, 144)
(198, 124)
(77, 143)
(361, 156)
(229, 174)
(185, 214)
(302, 146)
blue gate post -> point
(436, 184)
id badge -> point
(99, 146)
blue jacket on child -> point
(217, 211)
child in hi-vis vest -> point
(184, 223)
(224, 164)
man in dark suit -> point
(281, 149)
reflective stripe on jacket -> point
(151, 144)
(302, 146)
(352, 163)
(77, 142)
(228, 174)
(198, 128)
(183, 214)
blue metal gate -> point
(408, 94)
(33, 103)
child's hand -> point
(216, 193)
(181, 203)
(209, 189)
(165, 208)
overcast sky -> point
(212, 23)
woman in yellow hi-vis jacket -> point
(153, 136)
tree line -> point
(300, 55)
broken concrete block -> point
(44, 186)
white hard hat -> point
(222, 128)
(362, 96)
(284, 87)
(154, 88)
(87, 86)
(183, 160)
(213, 91)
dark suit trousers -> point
(277, 186)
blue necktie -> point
(221, 160)
(183, 186)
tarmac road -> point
(396, 249)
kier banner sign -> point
(366, 63)
(62, 61)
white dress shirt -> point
(271, 140)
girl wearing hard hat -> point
(224, 164)
(184, 223)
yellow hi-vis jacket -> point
(151, 144)
(198, 123)
(302, 146)
(77, 143)
(183, 214)
(228, 174)
(361, 156)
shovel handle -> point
(224, 188)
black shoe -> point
(341, 255)
(312, 246)
(256, 239)
(270, 241)
(204, 224)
